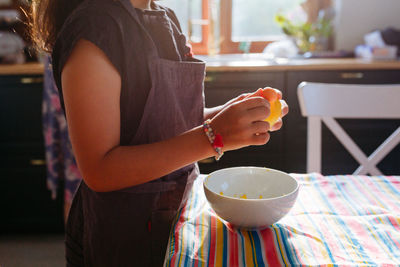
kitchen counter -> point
(27, 68)
(249, 62)
(258, 62)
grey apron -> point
(130, 227)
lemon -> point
(276, 112)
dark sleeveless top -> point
(106, 24)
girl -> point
(133, 99)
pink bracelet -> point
(214, 138)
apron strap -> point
(131, 10)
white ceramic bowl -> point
(270, 194)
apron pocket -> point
(161, 222)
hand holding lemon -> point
(248, 118)
(273, 98)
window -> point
(251, 22)
(193, 17)
(230, 23)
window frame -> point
(201, 48)
(227, 46)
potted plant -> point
(308, 36)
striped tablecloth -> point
(337, 220)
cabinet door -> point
(223, 86)
(368, 134)
(25, 202)
(20, 109)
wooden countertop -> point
(21, 69)
(251, 62)
(256, 62)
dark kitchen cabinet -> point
(25, 202)
(223, 86)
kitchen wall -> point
(355, 18)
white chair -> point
(324, 102)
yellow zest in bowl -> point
(260, 197)
(221, 193)
(244, 196)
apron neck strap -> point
(132, 11)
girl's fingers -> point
(279, 93)
(241, 97)
(260, 127)
(272, 94)
(278, 124)
(258, 113)
(260, 139)
(253, 102)
(258, 92)
(285, 108)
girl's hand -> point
(236, 99)
(211, 112)
(272, 94)
(241, 123)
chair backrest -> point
(324, 102)
(349, 100)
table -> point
(336, 220)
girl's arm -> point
(91, 90)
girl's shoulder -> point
(97, 21)
(92, 15)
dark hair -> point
(46, 18)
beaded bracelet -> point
(215, 139)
